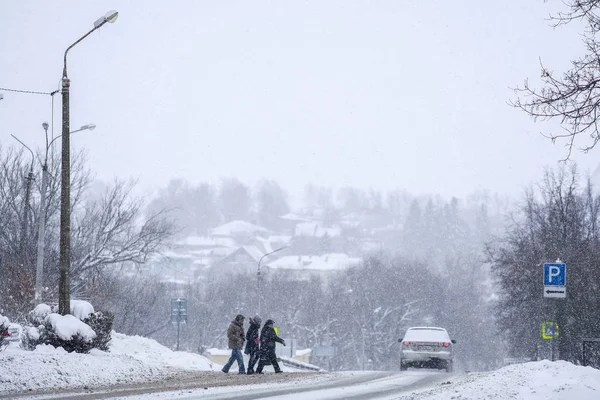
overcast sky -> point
(385, 94)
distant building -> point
(303, 267)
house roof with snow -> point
(296, 217)
(205, 242)
(327, 262)
(316, 229)
(238, 227)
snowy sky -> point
(385, 94)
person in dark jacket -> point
(253, 343)
(235, 337)
(268, 337)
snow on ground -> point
(540, 380)
(134, 359)
(130, 360)
(152, 353)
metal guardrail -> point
(290, 362)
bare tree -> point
(107, 232)
(110, 232)
(574, 96)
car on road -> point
(427, 347)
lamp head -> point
(110, 16)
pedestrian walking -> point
(268, 337)
(235, 337)
(253, 343)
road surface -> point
(357, 385)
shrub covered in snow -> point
(4, 323)
(80, 331)
(101, 322)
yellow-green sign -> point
(550, 330)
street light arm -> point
(268, 254)
(27, 147)
(73, 45)
(111, 16)
(83, 128)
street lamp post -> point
(258, 275)
(64, 286)
(39, 270)
(25, 220)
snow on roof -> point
(81, 309)
(174, 255)
(236, 228)
(203, 241)
(327, 262)
(254, 252)
(296, 217)
(315, 229)
(67, 326)
(279, 239)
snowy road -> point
(312, 386)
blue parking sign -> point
(555, 274)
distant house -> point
(316, 229)
(241, 232)
(303, 267)
(243, 260)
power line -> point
(29, 91)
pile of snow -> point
(153, 353)
(130, 360)
(540, 380)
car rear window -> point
(427, 335)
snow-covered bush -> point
(68, 332)
(101, 322)
(35, 332)
(4, 323)
(80, 331)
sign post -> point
(178, 314)
(555, 280)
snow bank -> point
(50, 368)
(540, 380)
(131, 359)
(153, 353)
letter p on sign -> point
(555, 274)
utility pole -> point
(64, 283)
(25, 219)
(39, 265)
